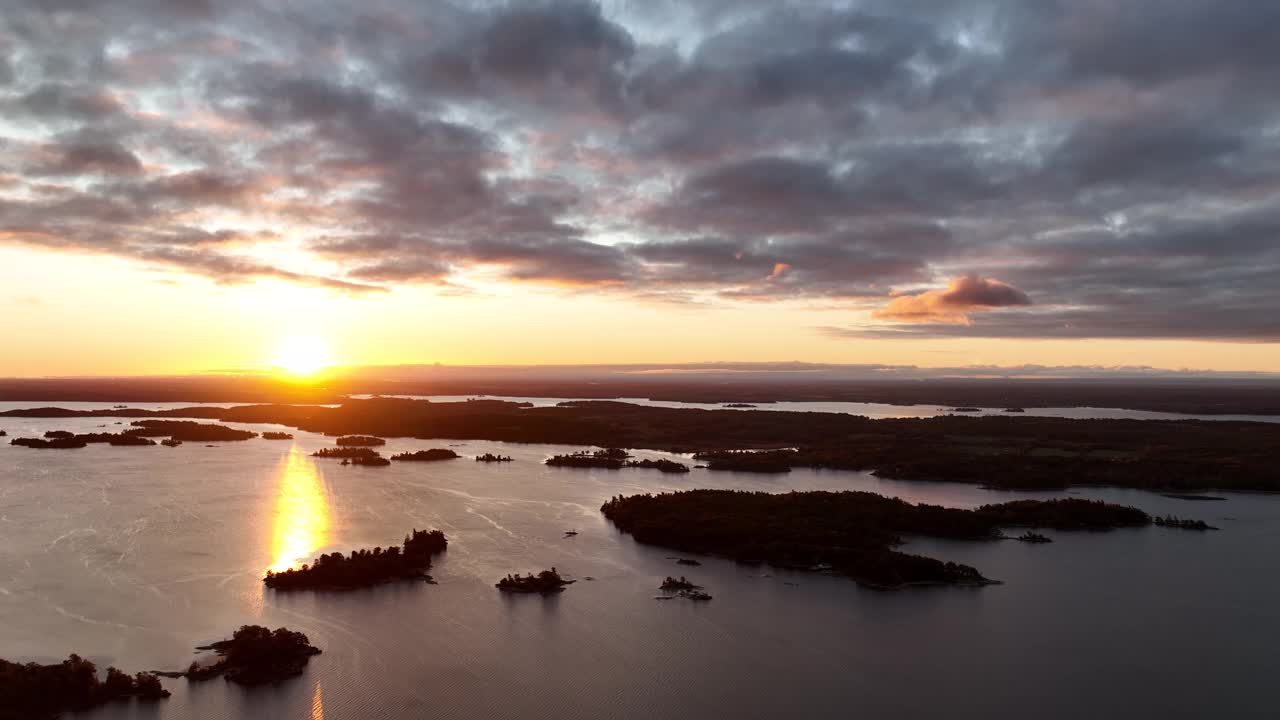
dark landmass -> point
(187, 430)
(662, 464)
(762, 461)
(364, 568)
(60, 444)
(966, 409)
(170, 442)
(681, 583)
(374, 461)
(256, 655)
(491, 458)
(432, 455)
(3, 433)
(351, 453)
(1002, 451)
(687, 561)
(852, 533)
(798, 382)
(1192, 496)
(63, 439)
(739, 405)
(609, 459)
(360, 441)
(41, 692)
(1015, 410)
(130, 439)
(1034, 537)
(1182, 523)
(545, 582)
(277, 436)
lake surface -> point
(133, 556)
(873, 410)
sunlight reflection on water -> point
(303, 515)
(317, 705)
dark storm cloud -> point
(950, 167)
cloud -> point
(1118, 162)
(963, 296)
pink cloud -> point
(953, 305)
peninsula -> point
(41, 692)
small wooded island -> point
(41, 692)
(491, 458)
(431, 455)
(363, 568)
(682, 587)
(349, 453)
(851, 533)
(545, 582)
(360, 441)
(613, 459)
(269, 435)
(609, 459)
(256, 655)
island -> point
(350, 453)
(1034, 537)
(170, 442)
(661, 464)
(432, 455)
(1182, 523)
(609, 459)
(58, 444)
(360, 441)
(3, 433)
(369, 461)
(41, 692)
(1015, 410)
(271, 435)
(682, 587)
(256, 655)
(739, 405)
(544, 583)
(491, 458)
(850, 533)
(965, 409)
(364, 568)
(1194, 496)
(188, 430)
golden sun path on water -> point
(303, 515)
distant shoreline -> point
(1186, 396)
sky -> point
(186, 185)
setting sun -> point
(299, 355)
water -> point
(876, 410)
(133, 556)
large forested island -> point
(256, 655)
(1004, 451)
(851, 533)
(35, 692)
(363, 568)
(432, 455)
